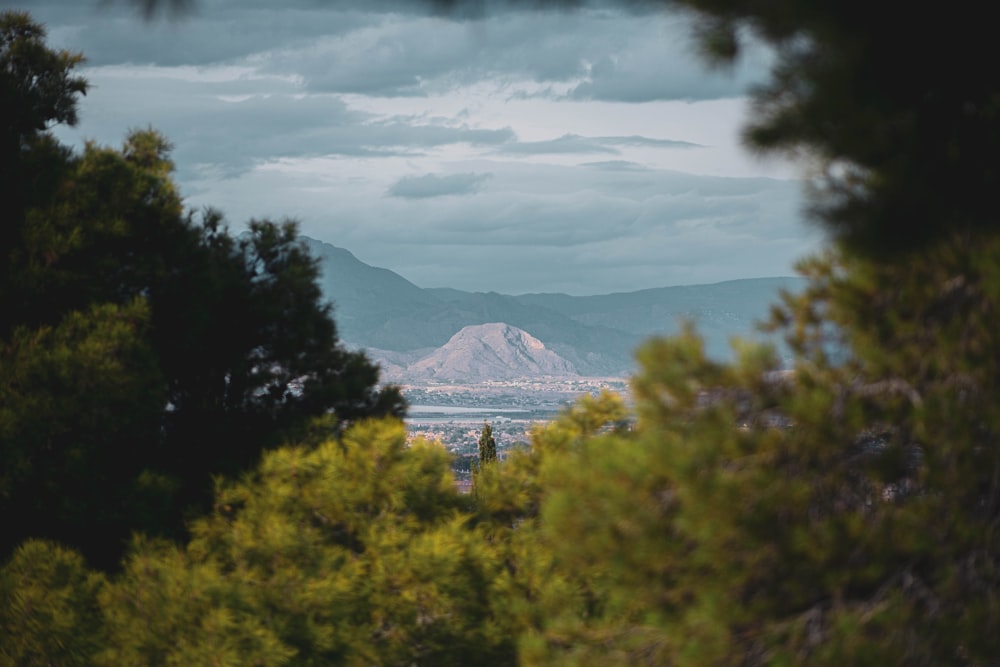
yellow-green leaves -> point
(49, 613)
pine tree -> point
(50, 612)
(144, 348)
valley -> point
(453, 413)
(515, 361)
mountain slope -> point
(494, 351)
(367, 300)
(379, 309)
(719, 311)
(651, 311)
(376, 308)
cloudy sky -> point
(583, 152)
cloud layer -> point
(433, 185)
(514, 151)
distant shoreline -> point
(427, 415)
(456, 409)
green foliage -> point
(49, 613)
(37, 88)
(386, 497)
(167, 609)
(75, 400)
(487, 446)
(828, 515)
(144, 349)
(510, 494)
(902, 137)
(841, 512)
(918, 394)
(838, 513)
(355, 552)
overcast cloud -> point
(516, 151)
(432, 185)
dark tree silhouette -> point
(144, 350)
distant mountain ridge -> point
(401, 323)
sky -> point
(586, 152)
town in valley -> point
(453, 413)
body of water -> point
(425, 414)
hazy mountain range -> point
(417, 333)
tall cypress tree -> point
(487, 445)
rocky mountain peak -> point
(491, 352)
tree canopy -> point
(144, 349)
(903, 135)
